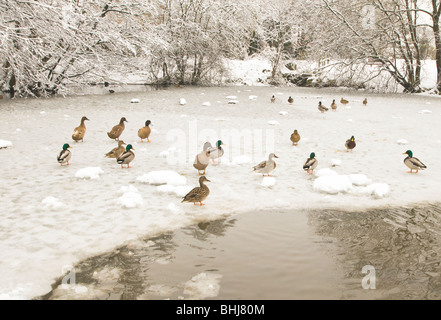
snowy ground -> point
(54, 216)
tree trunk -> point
(437, 35)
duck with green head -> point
(64, 155)
(216, 152)
(413, 163)
(126, 157)
(311, 163)
(350, 144)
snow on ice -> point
(5, 144)
(163, 177)
(89, 173)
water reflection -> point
(125, 272)
(403, 244)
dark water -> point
(275, 255)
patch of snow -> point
(182, 101)
(231, 97)
(273, 122)
(134, 100)
(268, 182)
(5, 143)
(163, 177)
(402, 141)
(52, 203)
(243, 159)
(283, 113)
(233, 101)
(359, 179)
(335, 162)
(378, 190)
(332, 184)
(425, 111)
(89, 173)
(131, 198)
(325, 172)
(180, 191)
(252, 97)
(207, 104)
(173, 208)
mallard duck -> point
(413, 163)
(117, 130)
(321, 107)
(344, 101)
(80, 131)
(202, 159)
(333, 105)
(64, 155)
(295, 138)
(310, 164)
(266, 167)
(198, 194)
(290, 100)
(273, 99)
(216, 152)
(350, 144)
(144, 132)
(116, 152)
(365, 102)
(126, 157)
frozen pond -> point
(54, 217)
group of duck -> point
(125, 155)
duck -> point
(126, 157)
(322, 108)
(216, 152)
(333, 105)
(144, 132)
(198, 194)
(64, 155)
(344, 101)
(266, 167)
(365, 101)
(117, 130)
(310, 163)
(116, 152)
(273, 99)
(202, 159)
(350, 144)
(413, 163)
(290, 100)
(295, 138)
(80, 131)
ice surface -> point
(268, 182)
(253, 97)
(89, 173)
(93, 219)
(52, 203)
(5, 143)
(163, 177)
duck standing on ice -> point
(80, 131)
(117, 130)
(126, 157)
(413, 163)
(267, 166)
(64, 155)
(198, 194)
